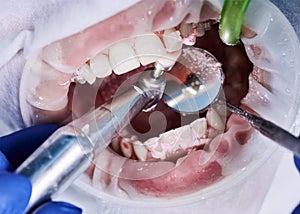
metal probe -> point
(268, 129)
(70, 150)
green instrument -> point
(231, 22)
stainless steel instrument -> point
(70, 150)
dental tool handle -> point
(70, 150)
(270, 130)
(55, 165)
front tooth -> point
(172, 40)
(126, 147)
(86, 72)
(214, 120)
(149, 48)
(100, 65)
(122, 58)
(184, 136)
(140, 150)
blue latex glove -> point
(15, 190)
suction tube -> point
(70, 150)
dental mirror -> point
(202, 83)
(202, 87)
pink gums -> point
(189, 174)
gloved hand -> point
(15, 190)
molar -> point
(123, 58)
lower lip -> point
(258, 164)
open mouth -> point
(86, 69)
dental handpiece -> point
(71, 149)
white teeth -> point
(169, 144)
(199, 127)
(86, 72)
(100, 65)
(173, 44)
(153, 144)
(214, 120)
(149, 48)
(126, 148)
(184, 137)
(169, 59)
(140, 150)
(122, 58)
(172, 40)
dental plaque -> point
(162, 153)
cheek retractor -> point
(70, 150)
(203, 87)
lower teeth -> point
(172, 144)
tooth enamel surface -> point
(169, 59)
(172, 40)
(126, 148)
(122, 58)
(149, 48)
(140, 150)
(185, 137)
(100, 65)
(86, 72)
(154, 146)
(167, 145)
(214, 120)
(199, 127)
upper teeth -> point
(127, 55)
(172, 40)
(149, 48)
(100, 65)
(123, 58)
